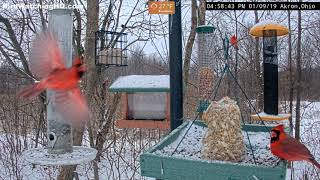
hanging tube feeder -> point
(205, 73)
(269, 31)
(59, 149)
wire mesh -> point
(205, 46)
(205, 73)
(111, 48)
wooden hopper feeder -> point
(145, 101)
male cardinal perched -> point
(288, 148)
(47, 63)
(234, 41)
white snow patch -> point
(191, 146)
(121, 159)
(310, 137)
(142, 81)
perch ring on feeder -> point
(41, 156)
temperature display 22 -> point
(162, 7)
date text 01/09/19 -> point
(262, 6)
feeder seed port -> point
(52, 139)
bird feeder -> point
(205, 73)
(60, 149)
(269, 31)
(158, 165)
(145, 101)
(110, 48)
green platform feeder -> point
(166, 167)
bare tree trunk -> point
(229, 80)
(77, 33)
(92, 76)
(202, 12)
(298, 118)
(67, 172)
(235, 87)
(189, 45)
(259, 80)
(101, 136)
(290, 72)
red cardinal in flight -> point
(288, 148)
(234, 41)
(47, 63)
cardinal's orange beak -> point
(273, 134)
(83, 68)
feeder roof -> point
(205, 29)
(141, 83)
(257, 30)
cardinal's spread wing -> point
(45, 55)
(73, 107)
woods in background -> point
(299, 69)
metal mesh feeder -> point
(205, 43)
(205, 73)
(110, 48)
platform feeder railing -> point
(111, 48)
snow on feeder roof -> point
(257, 30)
(141, 83)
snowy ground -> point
(121, 159)
(310, 136)
(119, 162)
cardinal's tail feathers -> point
(32, 90)
(314, 162)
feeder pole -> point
(59, 132)
(175, 55)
